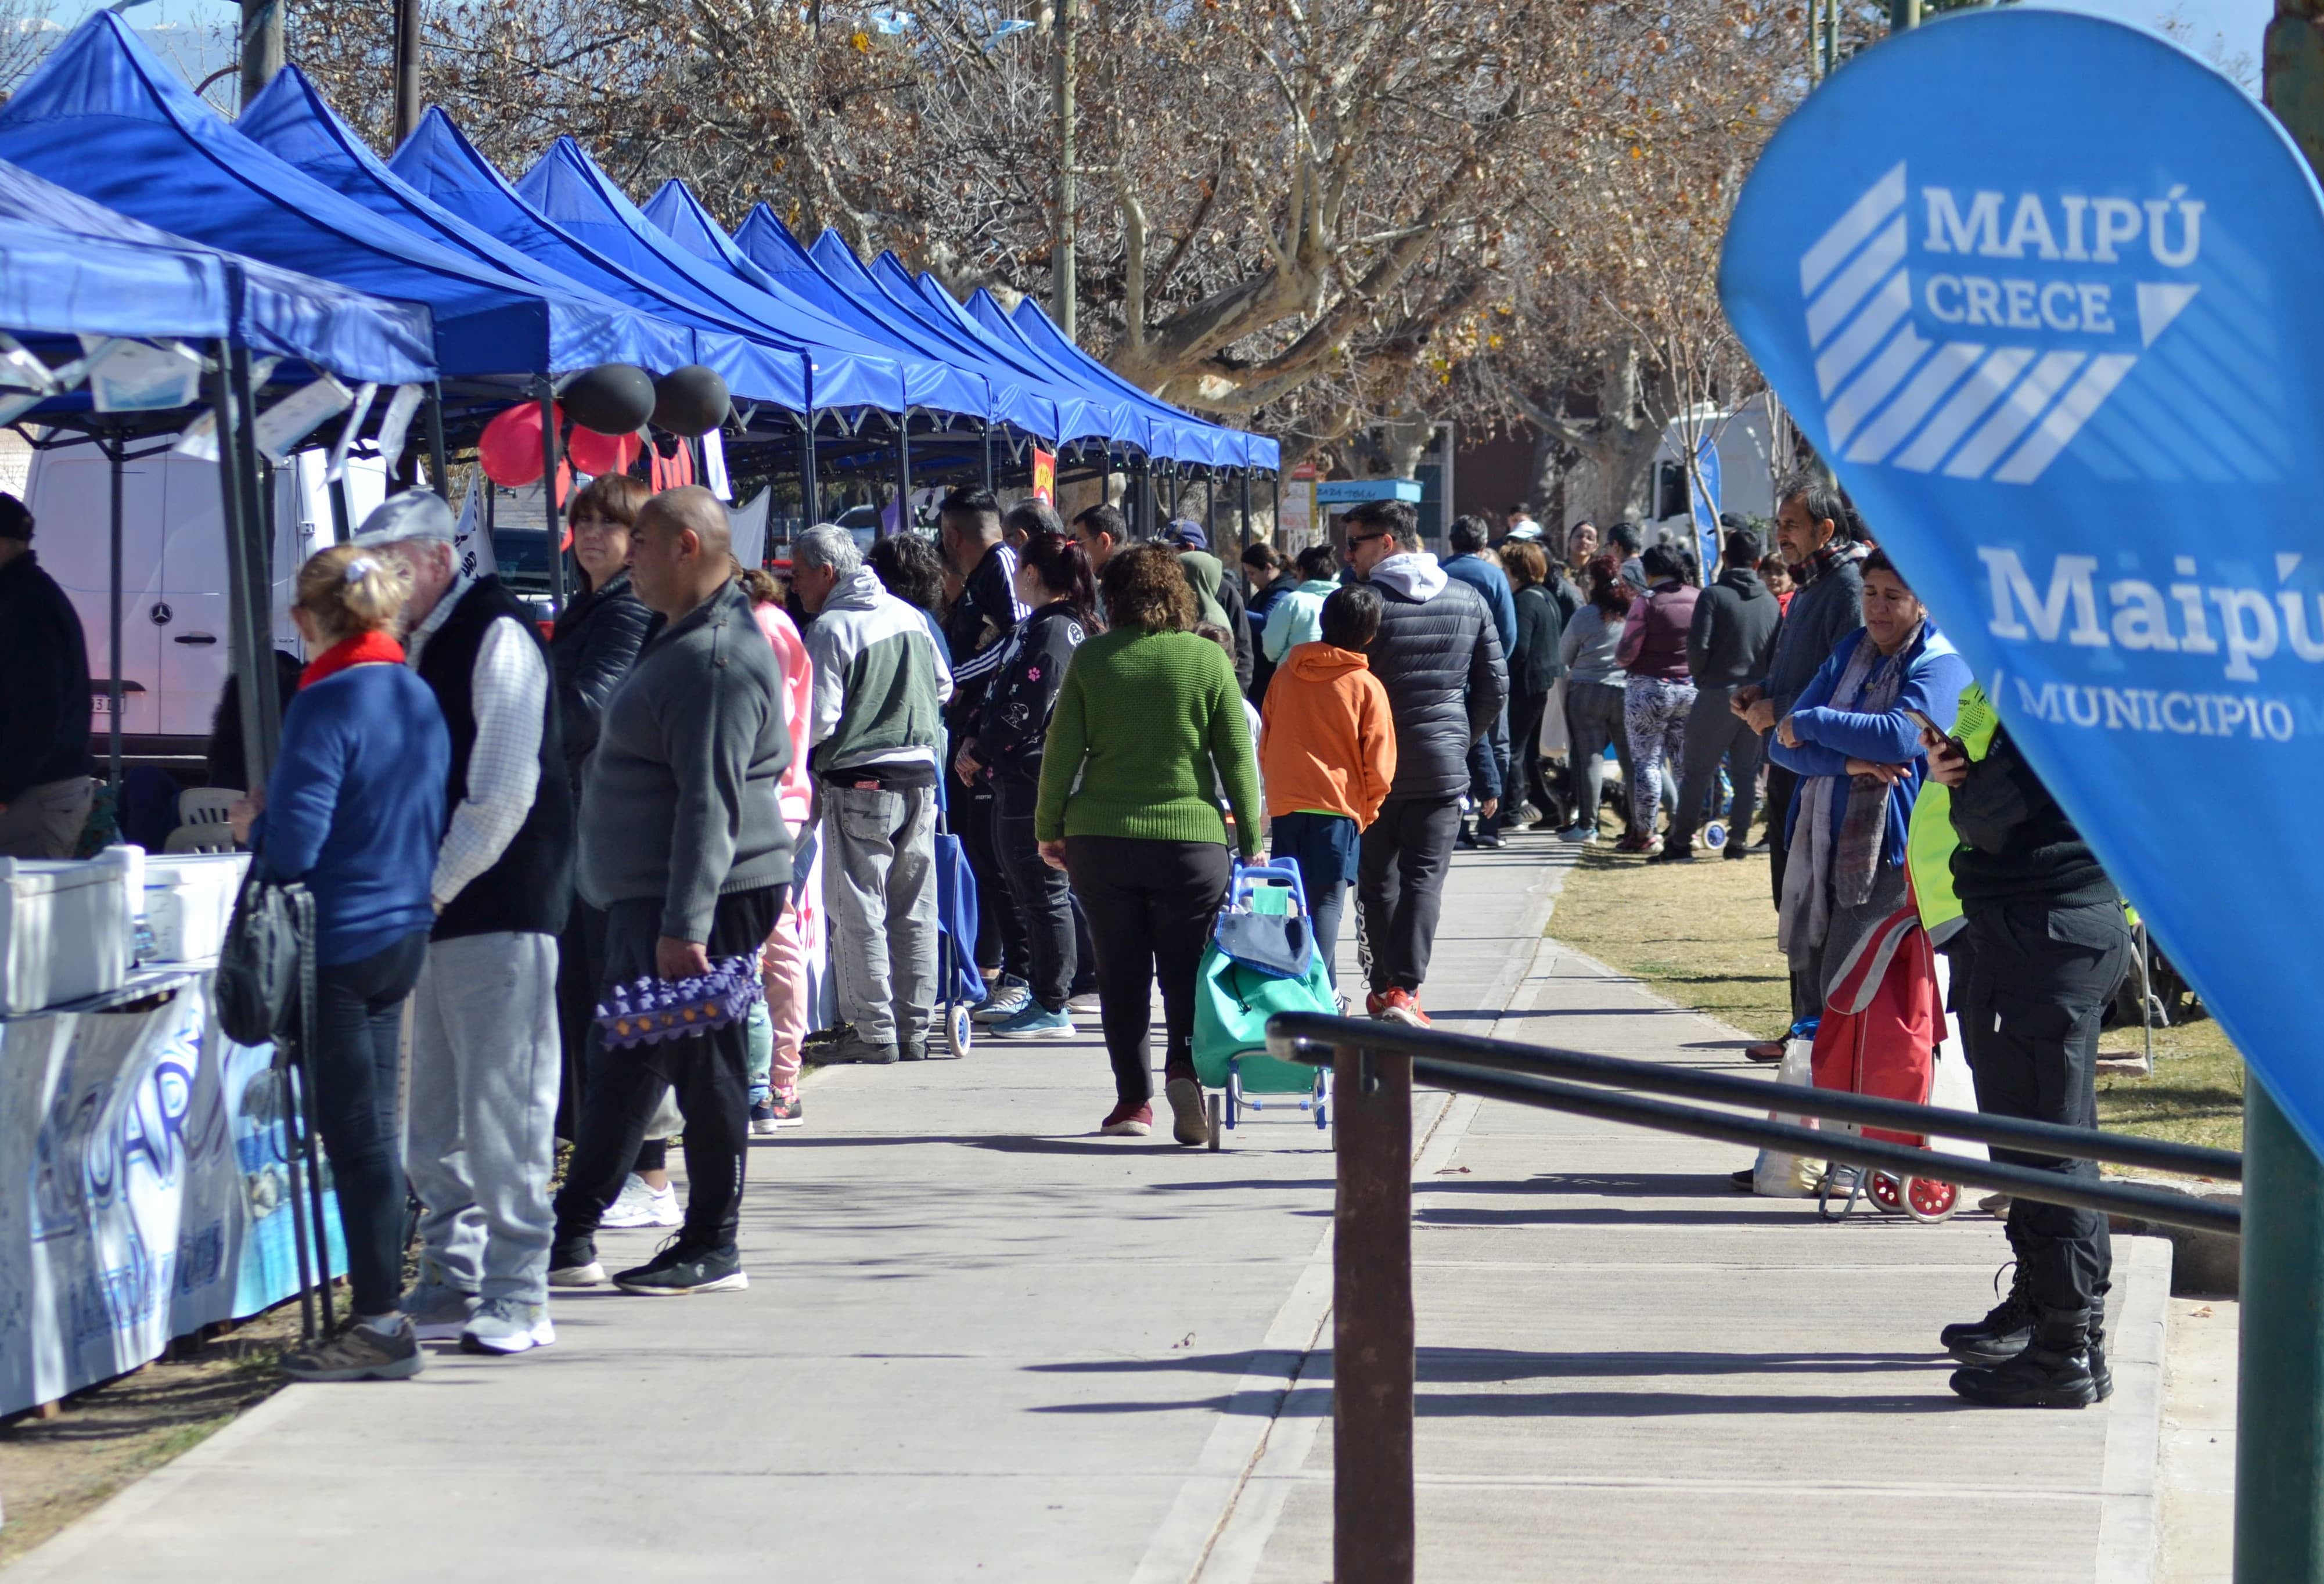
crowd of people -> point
(702, 766)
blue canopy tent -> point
(1178, 435)
(74, 267)
(105, 118)
(70, 267)
(1260, 453)
(566, 188)
(290, 120)
(938, 385)
(930, 382)
(1017, 398)
(1082, 414)
(1252, 453)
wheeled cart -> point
(1261, 959)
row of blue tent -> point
(432, 266)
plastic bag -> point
(1951, 1087)
(1779, 1176)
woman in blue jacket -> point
(1852, 740)
(355, 812)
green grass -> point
(1704, 935)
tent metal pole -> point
(239, 654)
(113, 703)
(904, 470)
(810, 495)
(1275, 503)
(1246, 508)
(1172, 476)
(258, 544)
(433, 410)
(543, 392)
(988, 454)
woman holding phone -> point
(1854, 740)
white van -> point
(174, 643)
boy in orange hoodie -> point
(1326, 756)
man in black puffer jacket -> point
(1439, 658)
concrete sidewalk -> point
(981, 1343)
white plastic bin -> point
(64, 932)
(190, 900)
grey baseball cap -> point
(415, 514)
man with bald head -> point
(683, 845)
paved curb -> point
(75, 1553)
(1218, 1528)
(2130, 1532)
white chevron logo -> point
(1967, 409)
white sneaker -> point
(640, 1204)
(592, 1274)
(504, 1325)
(1086, 1001)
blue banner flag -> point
(2041, 289)
(1702, 501)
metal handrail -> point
(1902, 1160)
(1374, 1065)
(1286, 1032)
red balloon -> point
(509, 451)
(595, 454)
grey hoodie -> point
(679, 800)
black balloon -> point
(691, 400)
(613, 398)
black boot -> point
(2052, 1372)
(2004, 1331)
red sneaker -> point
(1129, 1121)
(1399, 1005)
(1374, 1005)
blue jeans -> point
(1324, 847)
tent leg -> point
(113, 704)
(258, 544)
(904, 470)
(988, 454)
(438, 470)
(1246, 508)
(1275, 503)
(548, 399)
(810, 494)
(241, 653)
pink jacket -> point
(795, 794)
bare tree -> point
(1339, 220)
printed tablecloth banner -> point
(2041, 289)
(146, 1189)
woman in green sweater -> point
(1128, 809)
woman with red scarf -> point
(355, 812)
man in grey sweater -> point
(1728, 643)
(1814, 532)
(683, 847)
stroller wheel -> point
(1928, 1200)
(1218, 1133)
(959, 1033)
(1886, 1192)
